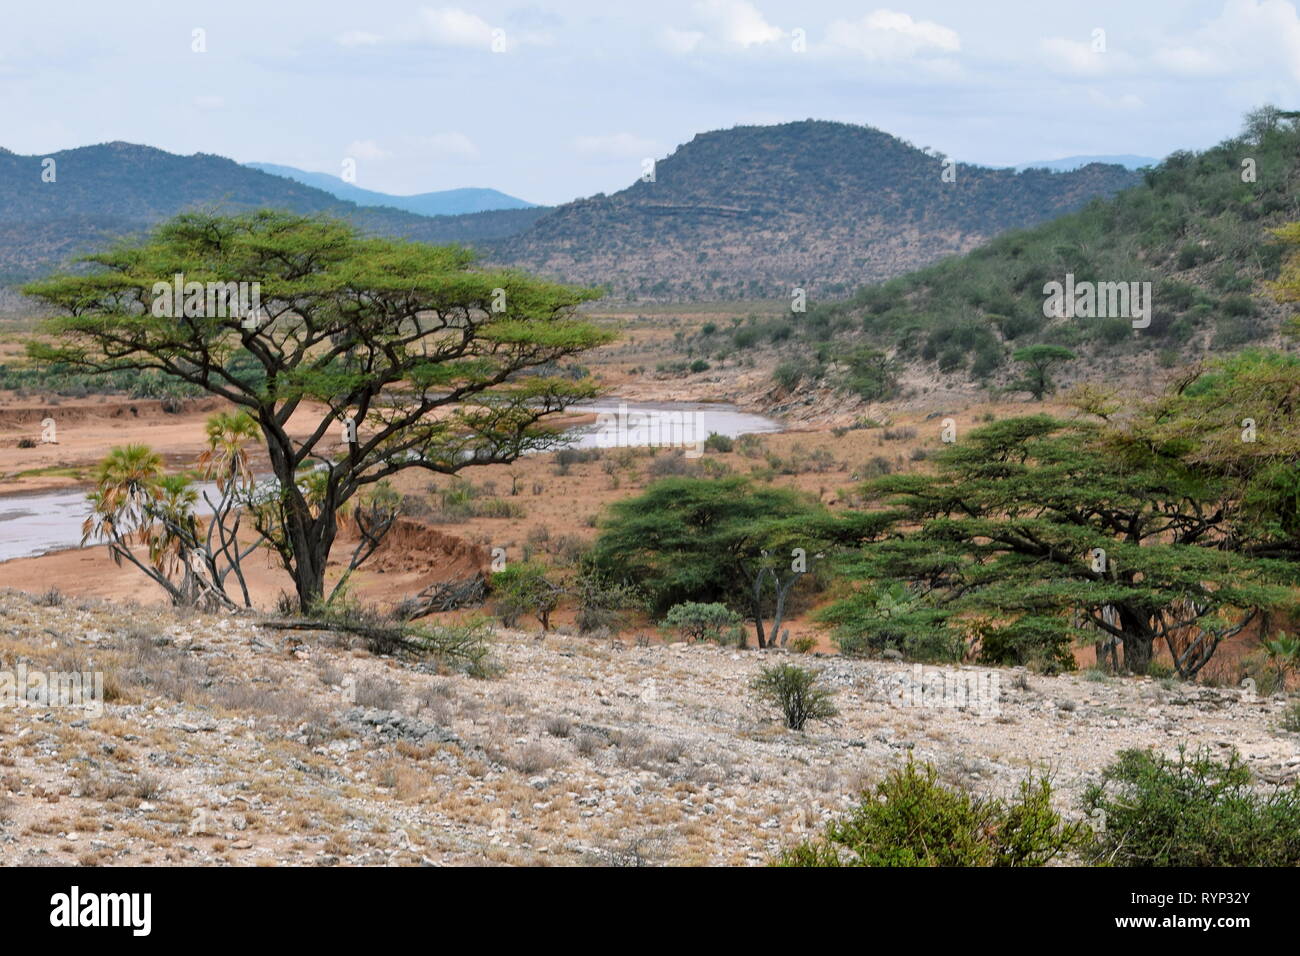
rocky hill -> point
(741, 213)
(755, 211)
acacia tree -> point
(417, 359)
(720, 540)
(1033, 527)
(1039, 360)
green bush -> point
(524, 588)
(912, 820)
(792, 689)
(1291, 719)
(718, 443)
(695, 621)
(1191, 811)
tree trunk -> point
(1137, 653)
(757, 607)
(778, 614)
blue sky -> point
(576, 93)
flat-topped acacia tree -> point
(439, 366)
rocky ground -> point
(225, 742)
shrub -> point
(524, 588)
(718, 443)
(673, 464)
(792, 689)
(1191, 811)
(605, 604)
(1291, 719)
(912, 820)
(695, 621)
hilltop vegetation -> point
(756, 210)
(1198, 228)
(103, 192)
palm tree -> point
(126, 485)
(226, 458)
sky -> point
(556, 99)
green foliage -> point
(525, 588)
(1192, 811)
(870, 374)
(718, 443)
(1040, 359)
(441, 366)
(694, 621)
(888, 618)
(1284, 654)
(1191, 227)
(793, 691)
(997, 547)
(912, 820)
(690, 539)
(602, 603)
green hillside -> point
(1193, 228)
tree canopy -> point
(418, 359)
(1036, 531)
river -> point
(36, 524)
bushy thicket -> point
(1192, 810)
(911, 819)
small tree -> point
(134, 505)
(701, 622)
(524, 588)
(1284, 655)
(1040, 359)
(720, 540)
(792, 689)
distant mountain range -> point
(1071, 163)
(100, 193)
(448, 202)
(753, 211)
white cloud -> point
(617, 145)
(1075, 56)
(364, 149)
(209, 102)
(738, 22)
(445, 146)
(888, 35)
(451, 26)
(1189, 61)
(1249, 35)
(680, 41)
(359, 38)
